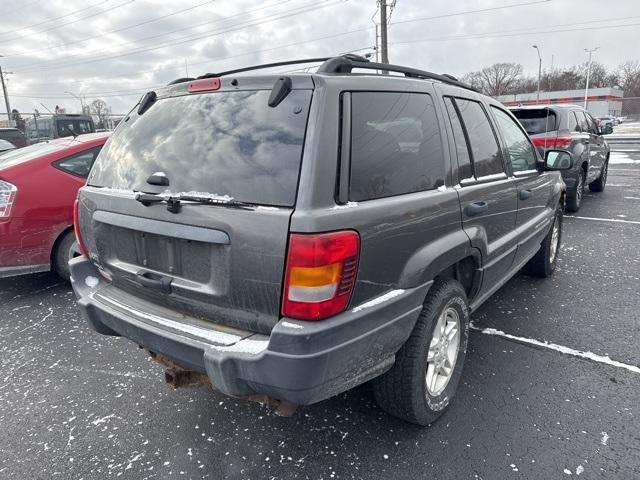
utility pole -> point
(586, 88)
(383, 32)
(6, 99)
(78, 98)
(539, 72)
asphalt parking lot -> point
(76, 405)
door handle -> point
(154, 281)
(475, 208)
(524, 194)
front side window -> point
(396, 146)
(485, 150)
(79, 164)
(583, 123)
(521, 152)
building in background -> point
(600, 102)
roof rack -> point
(265, 65)
(345, 64)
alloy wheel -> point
(443, 351)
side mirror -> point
(558, 160)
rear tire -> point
(601, 182)
(428, 356)
(63, 251)
(543, 264)
(574, 197)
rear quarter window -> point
(396, 146)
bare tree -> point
(101, 111)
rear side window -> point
(572, 122)
(536, 121)
(485, 151)
(521, 152)
(224, 143)
(79, 164)
(396, 146)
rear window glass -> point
(224, 143)
(70, 127)
(536, 121)
(396, 145)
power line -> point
(184, 40)
(122, 29)
(511, 33)
(55, 27)
(54, 18)
(482, 10)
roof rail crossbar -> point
(346, 63)
(265, 65)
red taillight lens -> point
(76, 228)
(7, 197)
(321, 271)
(552, 142)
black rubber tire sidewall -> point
(60, 256)
(402, 390)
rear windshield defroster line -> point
(223, 143)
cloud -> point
(48, 44)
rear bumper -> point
(301, 362)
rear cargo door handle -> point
(524, 194)
(154, 281)
(475, 208)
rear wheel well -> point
(465, 272)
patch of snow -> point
(442, 188)
(347, 205)
(605, 438)
(247, 345)
(102, 420)
(378, 300)
(270, 209)
(622, 158)
(213, 336)
(291, 325)
(211, 196)
(579, 470)
(567, 471)
(559, 348)
(91, 282)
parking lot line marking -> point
(558, 348)
(614, 220)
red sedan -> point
(38, 186)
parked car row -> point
(291, 237)
(40, 129)
(38, 185)
(572, 128)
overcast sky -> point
(117, 49)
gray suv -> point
(286, 238)
(572, 128)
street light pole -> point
(79, 98)
(586, 88)
(383, 32)
(539, 72)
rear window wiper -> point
(174, 201)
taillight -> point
(7, 197)
(552, 142)
(76, 228)
(320, 274)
